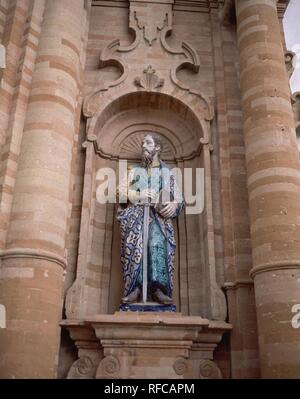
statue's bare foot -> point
(160, 297)
(134, 296)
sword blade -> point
(145, 252)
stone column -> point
(273, 170)
(34, 260)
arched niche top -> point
(117, 130)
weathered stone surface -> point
(273, 171)
(81, 81)
(34, 257)
(147, 345)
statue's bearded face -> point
(149, 149)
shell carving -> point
(149, 80)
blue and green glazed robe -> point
(161, 241)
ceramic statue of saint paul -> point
(148, 244)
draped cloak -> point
(161, 240)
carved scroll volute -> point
(83, 368)
(209, 370)
(150, 22)
(180, 366)
(109, 367)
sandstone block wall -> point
(54, 234)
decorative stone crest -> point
(149, 80)
(150, 24)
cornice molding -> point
(186, 5)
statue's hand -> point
(168, 210)
(148, 195)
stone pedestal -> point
(145, 345)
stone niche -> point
(145, 97)
(98, 286)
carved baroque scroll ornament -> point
(150, 27)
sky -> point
(291, 24)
